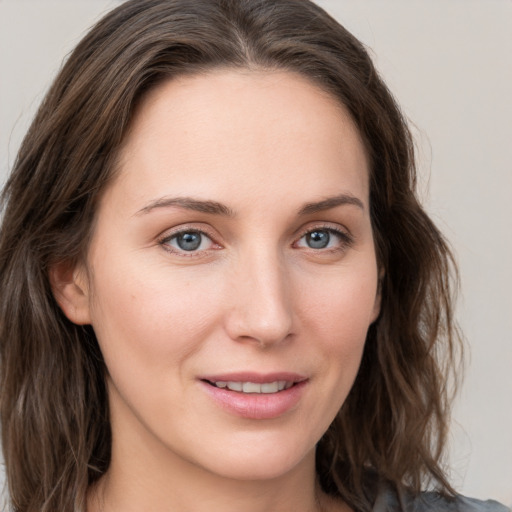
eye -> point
(324, 238)
(318, 239)
(188, 241)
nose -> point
(260, 301)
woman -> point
(218, 288)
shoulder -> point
(434, 502)
(389, 499)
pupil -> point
(318, 239)
(189, 241)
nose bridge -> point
(261, 301)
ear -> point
(378, 296)
(70, 288)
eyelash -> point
(346, 241)
(167, 238)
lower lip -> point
(256, 406)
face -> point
(232, 276)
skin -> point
(255, 296)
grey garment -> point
(390, 500)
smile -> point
(255, 395)
(254, 387)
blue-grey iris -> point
(188, 241)
(318, 239)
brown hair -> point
(54, 409)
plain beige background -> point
(449, 62)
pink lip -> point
(255, 405)
(257, 378)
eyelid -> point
(345, 235)
(346, 238)
(166, 236)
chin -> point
(262, 469)
(260, 459)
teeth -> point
(251, 387)
(254, 387)
(271, 387)
(235, 386)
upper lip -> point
(257, 378)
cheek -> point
(337, 315)
(341, 308)
(151, 317)
(335, 311)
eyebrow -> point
(216, 208)
(188, 203)
(331, 202)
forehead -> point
(260, 130)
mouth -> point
(253, 387)
(256, 396)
